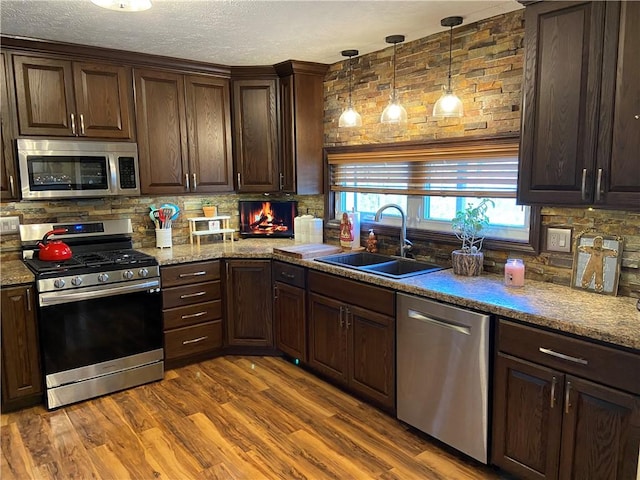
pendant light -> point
(394, 112)
(449, 105)
(124, 5)
(350, 118)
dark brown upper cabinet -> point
(184, 132)
(255, 120)
(581, 101)
(8, 171)
(302, 129)
(57, 97)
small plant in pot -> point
(468, 225)
(209, 209)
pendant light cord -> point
(350, 75)
(450, 43)
(393, 93)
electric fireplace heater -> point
(267, 218)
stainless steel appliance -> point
(99, 312)
(443, 372)
(77, 168)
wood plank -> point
(308, 250)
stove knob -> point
(76, 281)
(103, 277)
(58, 283)
(127, 274)
(143, 272)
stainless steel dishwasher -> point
(443, 372)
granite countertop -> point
(605, 318)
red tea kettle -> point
(54, 250)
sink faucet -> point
(404, 243)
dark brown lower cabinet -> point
(290, 309)
(21, 373)
(351, 344)
(249, 303)
(550, 424)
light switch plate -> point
(559, 240)
(9, 225)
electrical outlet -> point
(559, 240)
(9, 225)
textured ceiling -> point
(241, 32)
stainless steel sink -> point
(384, 265)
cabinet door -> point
(600, 432)
(44, 95)
(290, 320)
(255, 120)
(209, 134)
(21, 374)
(8, 178)
(619, 141)
(103, 95)
(162, 132)
(527, 418)
(302, 130)
(327, 337)
(249, 303)
(371, 340)
(563, 55)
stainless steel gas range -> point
(99, 312)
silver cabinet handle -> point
(82, 124)
(554, 383)
(195, 340)
(287, 275)
(195, 185)
(193, 315)
(598, 184)
(28, 294)
(282, 181)
(186, 181)
(239, 182)
(192, 274)
(347, 314)
(73, 124)
(583, 190)
(548, 351)
(567, 402)
(275, 292)
(637, 117)
(341, 317)
(12, 186)
(191, 295)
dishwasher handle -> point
(414, 314)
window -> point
(431, 182)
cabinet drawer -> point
(600, 363)
(192, 314)
(187, 341)
(355, 293)
(287, 273)
(190, 294)
(189, 273)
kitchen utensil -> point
(54, 250)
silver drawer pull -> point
(195, 340)
(287, 275)
(193, 315)
(189, 295)
(569, 358)
(193, 274)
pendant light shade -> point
(449, 105)
(124, 5)
(349, 117)
(394, 112)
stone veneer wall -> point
(487, 73)
(136, 208)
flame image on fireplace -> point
(267, 218)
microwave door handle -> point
(112, 173)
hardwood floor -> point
(227, 418)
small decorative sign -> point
(596, 263)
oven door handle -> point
(56, 298)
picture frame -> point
(596, 263)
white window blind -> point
(467, 171)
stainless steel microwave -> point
(51, 169)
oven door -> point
(94, 331)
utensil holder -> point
(163, 238)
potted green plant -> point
(209, 209)
(467, 225)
